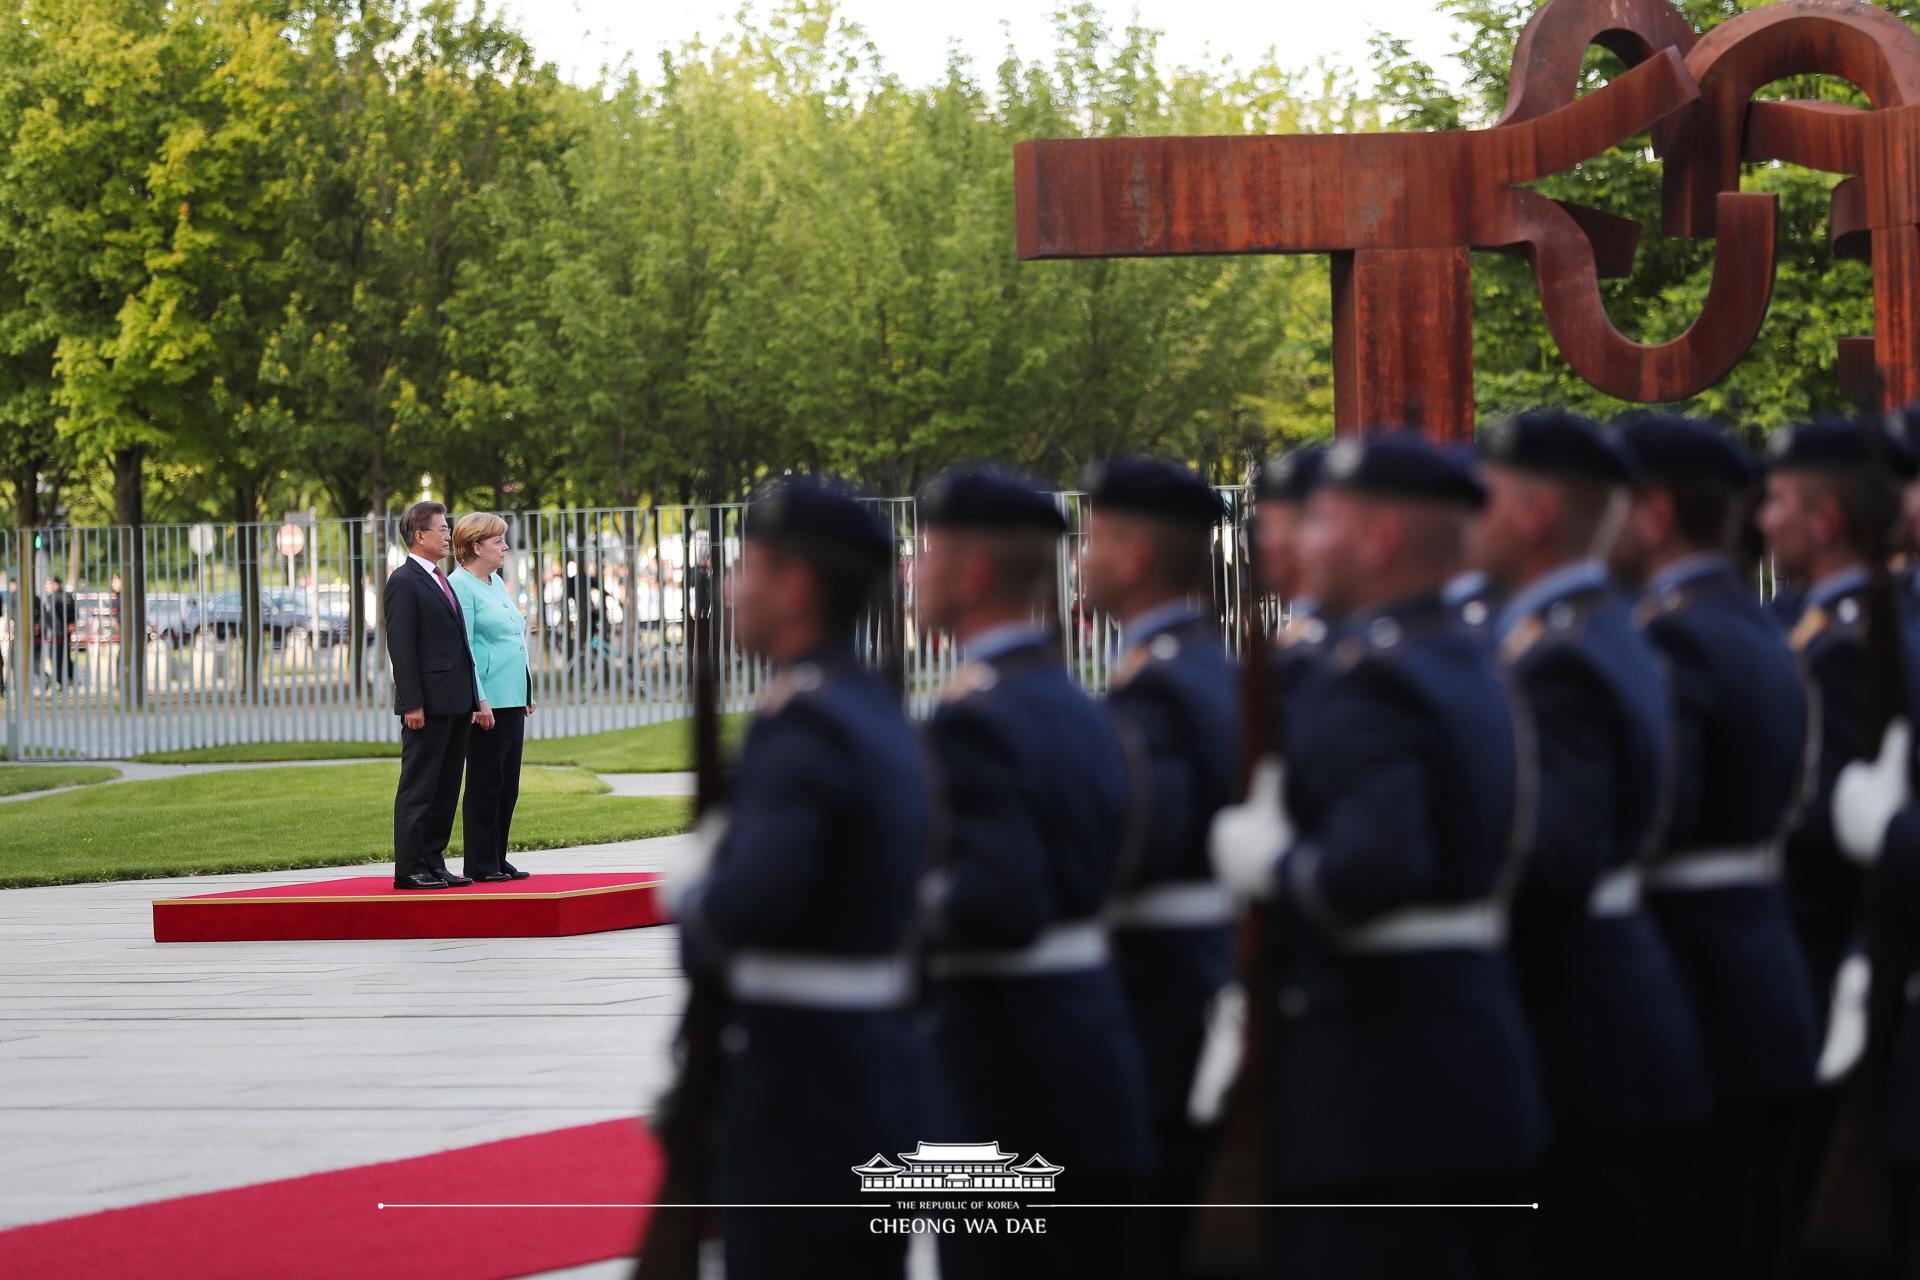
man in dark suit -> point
(435, 693)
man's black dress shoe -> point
(494, 877)
(420, 880)
(457, 880)
(514, 872)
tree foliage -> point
(258, 255)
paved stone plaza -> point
(135, 1071)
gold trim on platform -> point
(409, 895)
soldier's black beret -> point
(989, 497)
(1152, 487)
(811, 511)
(1401, 465)
(1554, 442)
(1840, 444)
(1293, 476)
(1664, 447)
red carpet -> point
(327, 1226)
(545, 906)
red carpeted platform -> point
(332, 1226)
(544, 906)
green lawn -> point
(651, 748)
(272, 819)
(18, 779)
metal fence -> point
(272, 632)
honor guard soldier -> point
(1740, 745)
(1620, 1054)
(1875, 821)
(1387, 844)
(1812, 521)
(1148, 558)
(809, 902)
(1028, 1014)
(1283, 488)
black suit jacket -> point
(427, 643)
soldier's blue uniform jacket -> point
(1620, 1051)
(1173, 922)
(1740, 746)
(1404, 1052)
(809, 910)
(1029, 1018)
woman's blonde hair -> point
(475, 528)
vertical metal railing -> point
(273, 631)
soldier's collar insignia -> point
(1164, 647)
(1847, 611)
(1383, 633)
(1474, 612)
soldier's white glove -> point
(708, 833)
(1247, 839)
(1869, 792)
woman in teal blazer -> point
(497, 635)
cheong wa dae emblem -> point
(958, 1166)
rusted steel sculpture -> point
(1400, 214)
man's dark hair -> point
(1704, 515)
(418, 518)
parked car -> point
(285, 618)
(172, 620)
(96, 619)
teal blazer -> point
(497, 634)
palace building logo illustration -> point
(958, 1166)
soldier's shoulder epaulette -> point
(801, 680)
(1820, 626)
(1163, 648)
(971, 680)
(1381, 640)
(1298, 632)
(1668, 600)
(1561, 623)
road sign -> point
(201, 539)
(293, 540)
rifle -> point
(670, 1247)
(893, 654)
(1853, 1209)
(1234, 1240)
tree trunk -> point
(253, 640)
(129, 512)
